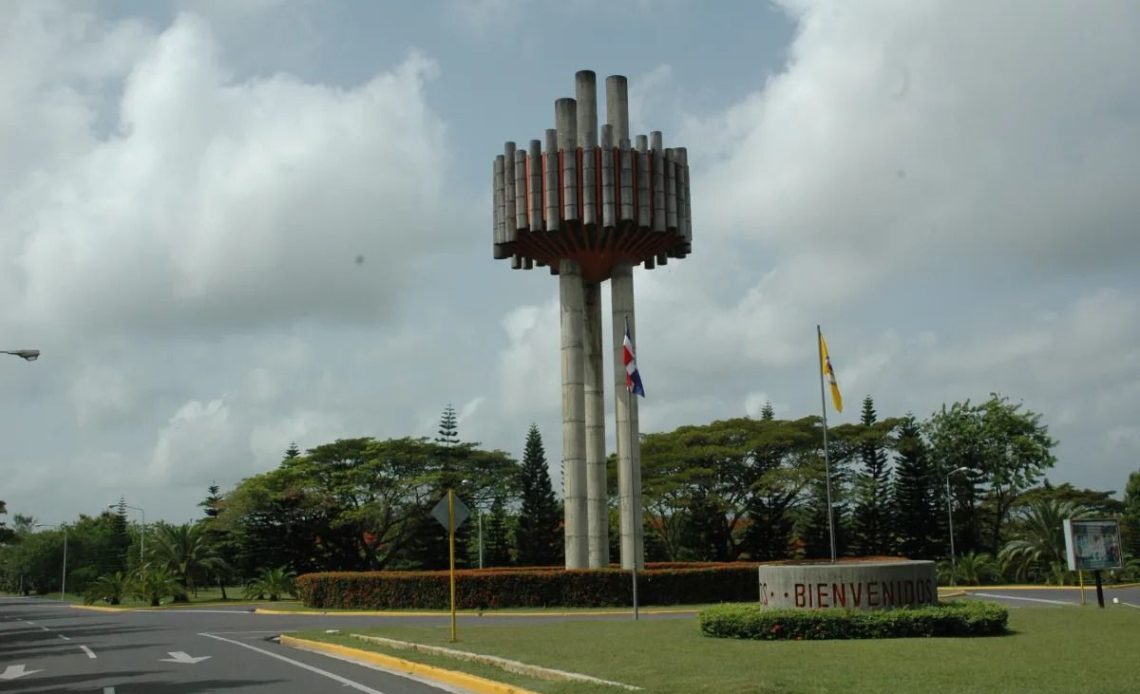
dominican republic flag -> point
(632, 377)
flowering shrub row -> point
(967, 618)
(547, 587)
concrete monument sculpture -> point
(590, 211)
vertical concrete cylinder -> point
(607, 175)
(617, 106)
(509, 192)
(520, 193)
(550, 176)
(597, 495)
(625, 409)
(670, 190)
(566, 123)
(586, 93)
(644, 181)
(655, 144)
(573, 414)
(534, 194)
(497, 206)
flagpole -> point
(629, 444)
(826, 457)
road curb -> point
(1088, 585)
(379, 613)
(474, 683)
(97, 608)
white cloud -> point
(218, 201)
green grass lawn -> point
(1050, 650)
(204, 596)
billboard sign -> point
(1093, 544)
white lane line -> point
(1131, 605)
(304, 666)
(90, 653)
(1014, 597)
(45, 629)
(65, 638)
(28, 621)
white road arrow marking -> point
(14, 671)
(181, 657)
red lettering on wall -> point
(838, 595)
(800, 601)
(821, 595)
(857, 594)
(888, 592)
(908, 592)
(872, 594)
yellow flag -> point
(830, 374)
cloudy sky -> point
(233, 225)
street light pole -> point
(63, 577)
(142, 534)
(950, 518)
(25, 354)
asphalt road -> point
(48, 647)
(1127, 598)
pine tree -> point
(538, 535)
(496, 536)
(211, 505)
(814, 532)
(448, 427)
(120, 539)
(872, 489)
(292, 451)
(767, 414)
(914, 495)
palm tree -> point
(1038, 547)
(153, 583)
(185, 550)
(974, 569)
(111, 587)
(271, 582)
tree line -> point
(736, 489)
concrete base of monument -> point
(861, 585)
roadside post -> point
(451, 512)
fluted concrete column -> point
(573, 413)
(596, 493)
(628, 445)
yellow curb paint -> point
(474, 683)
(97, 608)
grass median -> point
(1049, 650)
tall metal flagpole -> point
(826, 457)
(629, 409)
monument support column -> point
(573, 414)
(625, 407)
(596, 496)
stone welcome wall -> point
(861, 586)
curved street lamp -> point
(142, 533)
(25, 354)
(63, 578)
(950, 517)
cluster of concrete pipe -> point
(591, 213)
(575, 188)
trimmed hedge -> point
(547, 587)
(968, 618)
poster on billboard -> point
(1093, 544)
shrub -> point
(968, 618)
(545, 587)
